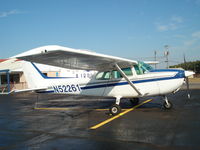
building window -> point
(3, 79)
(57, 74)
(14, 78)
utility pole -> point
(166, 54)
(155, 58)
(185, 65)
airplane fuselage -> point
(157, 82)
(117, 77)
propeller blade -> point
(187, 74)
(188, 87)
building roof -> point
(2, 60)
(10, 64)
(16, 65)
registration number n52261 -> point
(71, 88)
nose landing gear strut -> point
(167, 104)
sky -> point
(132, 29)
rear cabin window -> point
(114, 74)
(103, 75)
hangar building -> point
(12, 76)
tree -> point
(194, 66)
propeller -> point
(187, 74)
(188, 87)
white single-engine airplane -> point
(116, 77)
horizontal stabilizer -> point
(28, 90)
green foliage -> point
(194, 66)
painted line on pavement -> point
(53, 108)
(106, 109)
(119, 115)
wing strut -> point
(127, 79)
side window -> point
(127, 71)
(116, 74)
(103, 75)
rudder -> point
(34, 77)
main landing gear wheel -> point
(134, 101)
(115, 109)
(167, 105)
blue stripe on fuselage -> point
(180, 74)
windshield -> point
(145, 67)
(142, 68)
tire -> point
(169, 106)
(134, 101)
(115, 109)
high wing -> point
(73, 58)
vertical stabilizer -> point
(34, 77)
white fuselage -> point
(109, 83)
(149, 84)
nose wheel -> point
(115, 109)
(167, 104)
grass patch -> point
(194, 80)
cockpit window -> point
(142, 68)
(116, 74)
(138, 70)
